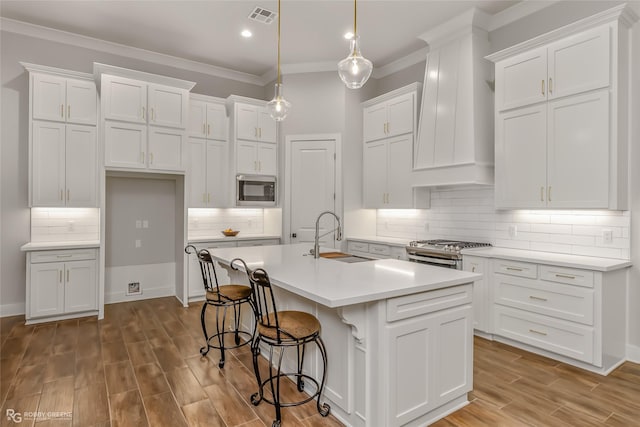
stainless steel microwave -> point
(255, 190)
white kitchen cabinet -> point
(166, 149)
(481, 292)
(256, 158)
(64, 165)
(575, 64)
(61, 284)
(127, 147)
(387, 173)
(63, 99)
(253, 123)
(207, 173)
(207, 119)
(376, 250)
(389, 118)
(561, 117)
(167, 106)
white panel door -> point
(49, 94)
(216, 121)
(125, 145)
(399, 160)
(81, 166)
(197, 119)
(374, 122)
(480, 292)
(197, 157)
(375, 174)
(246, 157)
(47, 289)
(267, 158)
(47, 170)
(313, 189)
(455, 354)
(400, 115)
(81, 102)
(521, 158)
(166, 149)
(266, 126)
(167, 106)
(246, 122)
(578, 151)
(217, 186)
(80, 292)
(124, 99)
(521, 80)
(579, 63)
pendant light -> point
(278, 107)
(355, 69)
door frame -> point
(286, 201)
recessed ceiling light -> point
(348, 35)
(246, 34)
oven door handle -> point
(425, 259)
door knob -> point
(294, 235)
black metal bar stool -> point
(221, 297)
(282, 329)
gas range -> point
(441, 252)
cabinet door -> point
(46, 289)
(375, 174)
(266, 126)
(578, 151)
(125, 145)
(217, 161)
(166, 149)
(81, 166)
(47, 169)
(399, 157)
(521, 158)
(481, 299)
(579, 63)
(197, 119)
(216, 121)
(400, 113)
(49, 94)
(124, 99)
(246, 122)
(168, 106)
(81, 102)
(374, 121)
(246, 157)
(80, 293)
(521, 80)
(197, 154)
(267, 158)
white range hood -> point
(455, 135)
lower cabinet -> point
(61, 283)
(481, 297)
(376, 250)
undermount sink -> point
(341, 256)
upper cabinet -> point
(561, 117)
(253, 123)
(145, 119)
(207, 118)
(455, 136)
(390, 118)
(63, 99)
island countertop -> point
(336, 284)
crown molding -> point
(415, 57)
(516, 12)
(100, 69)
(35, 68)
(40, 32)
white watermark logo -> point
(14, 416)
(18, 417)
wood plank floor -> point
(140, 366)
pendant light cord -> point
(355, 24)
(279, 79)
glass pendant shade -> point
(278, 107)
(355, 69)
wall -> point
(412, 74)
(207, 223)
(65, 224)
(14, 227)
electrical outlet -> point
(145, 223)
(138, 243)
(71, 225)
(134, 288)
(607, 236)
(138, 223)
(513, 231)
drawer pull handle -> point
(565, 276)
(514, 269)
(60, 275)
(537, 298)
(533, 331)
(64, 256)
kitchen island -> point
(398, 334)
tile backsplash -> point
(468, 213)
(65, 224)
(210, 222)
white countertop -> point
(381, 239)
(45, 246)
(562, 260)
(334, 283)
(239, 237)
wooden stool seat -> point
(294, 326)
(229, 292)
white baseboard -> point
(12, 309)
(633, 353)
(156, 280)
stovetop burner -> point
(443, 248)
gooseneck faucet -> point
(316, 245)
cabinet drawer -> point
(427, 302)
(551, 299)
(63, 255)
(515, 268)
(357, 246)
(572, 340)
(398, 252)
(379, 249)
(570, 276)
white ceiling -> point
(208, 31)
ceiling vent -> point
(262, 15)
